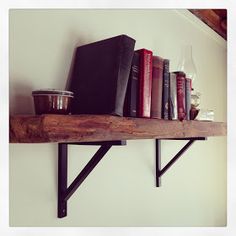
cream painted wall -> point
(121, 191)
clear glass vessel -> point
(195, 99)
(186, 63)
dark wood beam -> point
(214, 18)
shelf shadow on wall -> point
(81, 41)
(68, 81)
(20, 98)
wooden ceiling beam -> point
(214, 18)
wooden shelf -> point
(82, 129)
(89, 128)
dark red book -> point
(157, 85)
(188, 97)
(181, 100)
(145, 83)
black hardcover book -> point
(100, 76)
(131, 98)
(165, 93)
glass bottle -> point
(187, 65)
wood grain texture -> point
(82, 128)
(214, 18)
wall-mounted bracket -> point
(159, 171)
(64, 192)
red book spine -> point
(145, 83)
(181, 104)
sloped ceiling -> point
(214, 18)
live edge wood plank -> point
(82, 128)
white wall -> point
(121, 190)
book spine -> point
(181, 104)
(123, 69)
(188, 97)
(157, 84)
(145, 83)
(131, 99)
(173, 113)
(165, 96)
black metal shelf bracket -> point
(160, 171)
(64, 192)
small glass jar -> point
(52, 101)
(205, 115)
(195, 99)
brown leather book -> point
(157, 85)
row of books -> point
(154, 92)
(110, 77)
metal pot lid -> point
(52, 91)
